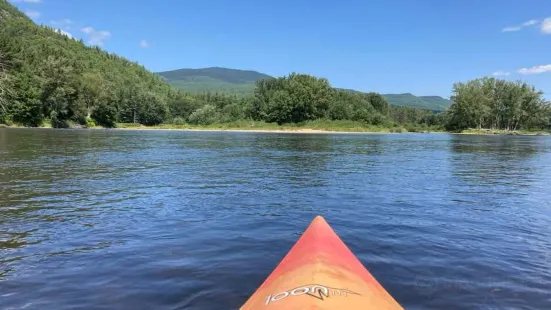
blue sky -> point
(388, 46)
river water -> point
(100, 219)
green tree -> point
(378, 102)
(292, 99)
(91, 88)
(152, 109)
(496, 104)
(105, 114)
(25, 106)
(3, 87)
(204, 116)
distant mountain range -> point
(242, 82)
(223, 80)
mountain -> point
(56, 80)
(435, 103)
(215, 79)
(242, 82)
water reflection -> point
(302, 158)
(123, 219)
(507, 162)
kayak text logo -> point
(314, 290)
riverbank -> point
(491, 132)
(318, 126)
(311, 127)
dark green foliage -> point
(204, 116)
(407, 115)
(58, 79)
(369, 108)
(378, 102)
(183, 106)
(497, 104)
(151, 109)
(105, 115)
(292, 99)
(178, 121)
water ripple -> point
(197, 220)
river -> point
(113, 219)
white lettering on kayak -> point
(314, 290)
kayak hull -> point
(320, 272)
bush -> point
(28, 113)
(204, 116)
(58, 122)
(89, 122)
(6, 120)
(178, 121)
(340, 111)
(363, 115)
(153, 113)
(232, 112)
(397, 130)
(105, 115)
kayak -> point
(320, 272)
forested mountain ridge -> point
(242, 82)
(53, 78)
(434, 103)
(223, 74)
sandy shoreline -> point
(300, 131)
(294, 131)
(286, 130)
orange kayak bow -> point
(320, 272)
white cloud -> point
(27, 1)
(510, 29)
(61, 23)
(535, 70)
(546, 26)
(87, 30)
(33, 14)
(501, 73)
(96, 37)
(529, 23)
(144, 44)
(65, 33)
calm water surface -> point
(197, 220)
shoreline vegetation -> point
(48, 79)
(312, 127)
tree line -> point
(47, 78)
(497, 104)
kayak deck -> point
(320, 272)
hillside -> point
(242, 82)
(215, 79)
(55, 80)
(50, 79)
(434, 103)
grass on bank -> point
(472, 131)
(320, 124)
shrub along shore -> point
(317, 126)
